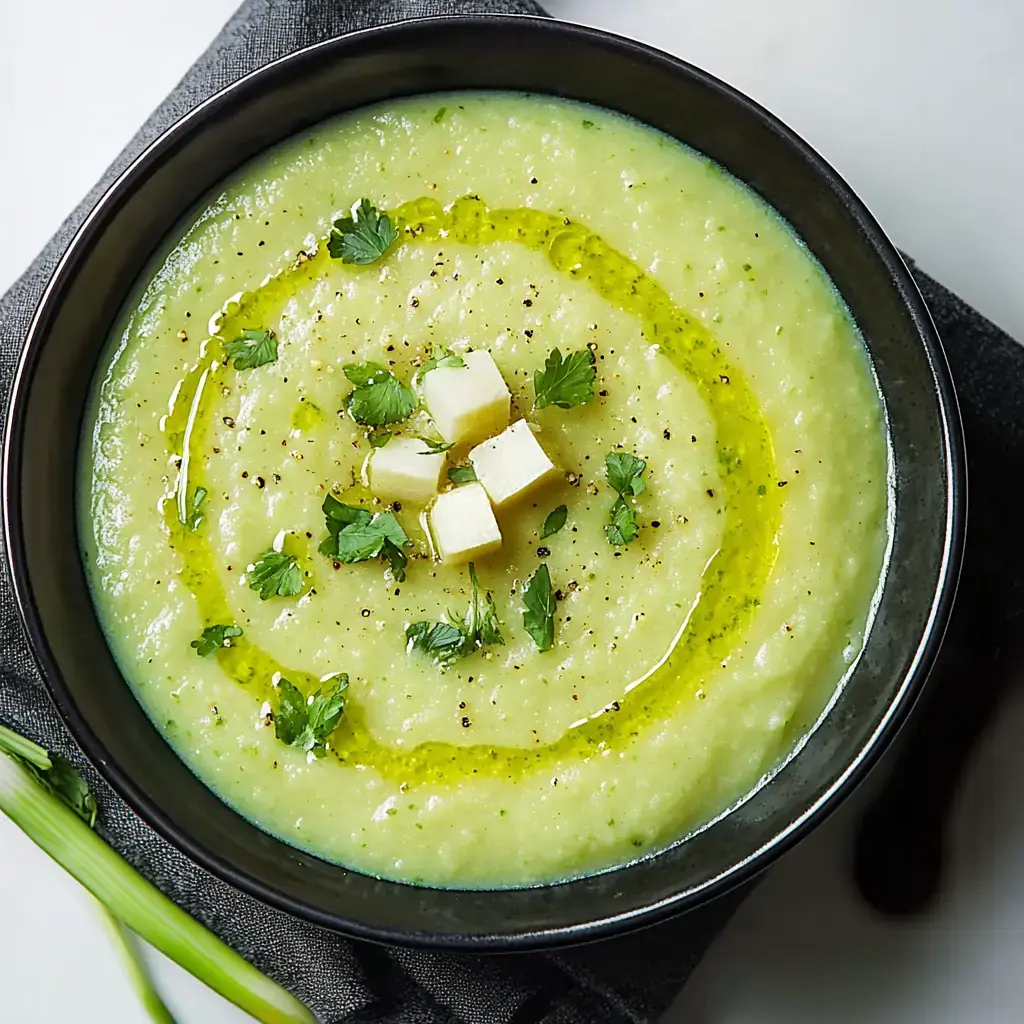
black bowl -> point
(120, 235)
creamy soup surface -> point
(686, 664)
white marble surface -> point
(919, 104)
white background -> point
(920, 105)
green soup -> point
(687, 664)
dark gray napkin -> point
(623, 980)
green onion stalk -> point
(49, 801)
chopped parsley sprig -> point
(354, 535)
(308, 724)
(565, 382)
(214, 638)
(379, 398)
(440, 356)
(625, 476)
(251, 349)
(452, 638)
(362, 237)
(275, 574)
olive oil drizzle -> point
(732, 580)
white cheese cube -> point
(405, 469)
(467, 403)
(511, 464)
(463, 525)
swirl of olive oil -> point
(731, 581)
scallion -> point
(54, 813)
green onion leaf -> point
(36, 805)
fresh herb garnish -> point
(442, 642)
(379, 397)
(439, 116)
(275, 574)
(539, 617)
(379, 438)
(354, 535)
(565, 382)
(252, 349)
(452, 638)
(622, 528)
(462, 474)
(440, 356)
(308, 724)
(624, 473)
(554, 522)
(363, 237)
(195, 516)
(436, 447)
(214, 638)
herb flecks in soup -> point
(522, 520)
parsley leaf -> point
(363, 237)
(355, 536)
(625, 477)
(379, 397)
(565, 382)
(379, 438)
(441, 641)
(308, 724)
(275, 574)
(252, 349)
(554, 522)
(622, 528)
(213, 639)
(195, 516)
(397, 560)
(436, 447)
(539, 617)
(462, 474)
(440, 356)
(325, 710)
(453, 638)
(290, 717)
(624, 471)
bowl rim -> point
(899, 704)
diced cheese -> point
(405, 469)
(463, 525)
(467, 403)
(511, 464)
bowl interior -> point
(429, 56)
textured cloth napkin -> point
(631, 979)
